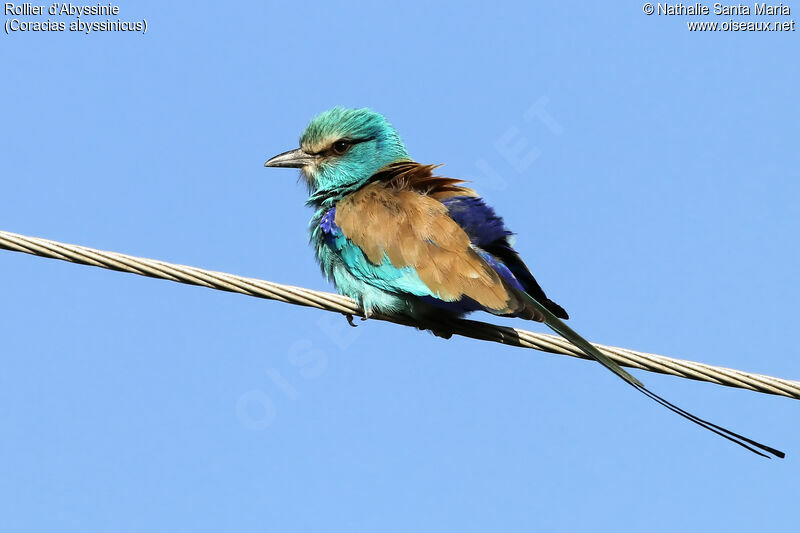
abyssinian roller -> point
(401, 240)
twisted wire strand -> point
(342, 304)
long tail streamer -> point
(589, 349)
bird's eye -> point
(341, 146)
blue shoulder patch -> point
(477, 219)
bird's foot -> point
(349, 318)
(437, 330)
(442, 333)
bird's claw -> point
(442, 333)
(437, 331)
(349, 318)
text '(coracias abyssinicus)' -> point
(402, 241)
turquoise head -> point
(341, 149)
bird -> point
(403, 241)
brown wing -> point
(410, 175)
(389, 218)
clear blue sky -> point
(656, 198)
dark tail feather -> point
(741, 440)
(590, 350)
(514, 262)
(555, 309)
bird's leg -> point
(439, 330)
(349, 318)
(443, 334)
